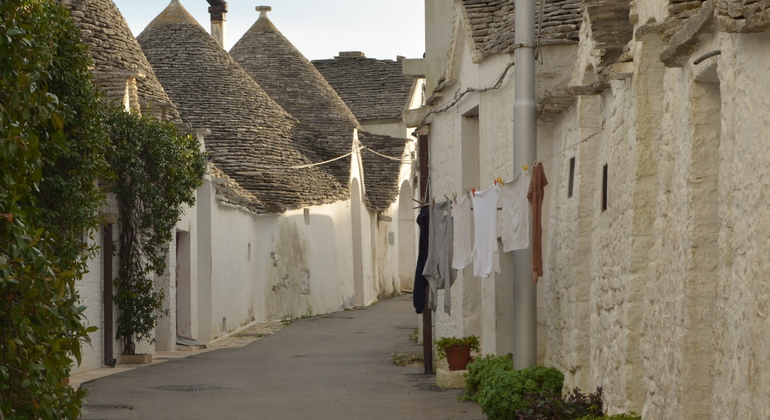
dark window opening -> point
(604, 187)
(571, 185)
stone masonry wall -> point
(742, 345)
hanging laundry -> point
(420, 282)
(486, 259)
(461, 244)
(515, 214)
(535, 196)
(438, 267)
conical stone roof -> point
(116, 53)
(252, 138)
(290, 79)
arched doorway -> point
(407, 258)
(358, 255)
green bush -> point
(157, 169)
(52, 150)
(500, 390)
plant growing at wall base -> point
(457, 351)
(443, 343)
(157, 170)
(52, 147)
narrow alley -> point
(336, 366)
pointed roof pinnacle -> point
(174, 13)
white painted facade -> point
(660, 298)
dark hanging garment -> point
(420, 282)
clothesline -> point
(402, 159)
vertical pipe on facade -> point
(524, 153)
(107, 252)
(427, 315)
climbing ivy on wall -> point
(157, 170)
(52, 149)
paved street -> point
(334, 366)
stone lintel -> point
(759, 22)
(413, 117)
(681, 43)
(413, 67)
(619, 71)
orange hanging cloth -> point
(535, 196)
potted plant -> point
(457, 351)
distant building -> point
(296, 213)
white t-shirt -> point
(485, 256)
(515, 214)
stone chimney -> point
(263, 11)
(218, 12)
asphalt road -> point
(336, 366)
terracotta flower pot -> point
(458, 356)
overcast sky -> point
(318, 28)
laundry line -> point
(402, 159)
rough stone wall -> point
(567, 291)
(742, 345)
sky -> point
(319, 29)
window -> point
(571, 184)
(604, 187)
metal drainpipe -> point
(427, 315)
(107, 251)
(524, 153)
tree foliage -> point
(52, 150)
(157, 171)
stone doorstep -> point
(450, 379)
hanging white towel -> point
(515, 213)
(461, 215)
(486, 259)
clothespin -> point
(500, 180)
(525, 168)
(473, 190)
(454, 195)
(447, 198)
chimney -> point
(263, 11)
(218, 10)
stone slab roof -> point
(291, 80)
(373, 89)
(232, 193)
(253, 140)
(381, 175)
(116, 53)
(491, 24)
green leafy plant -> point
(500, 389)
(157, 169)
(52, 150)
(445, 342)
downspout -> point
(107, 252)
(218, 12)
(524, 153)
(427, 314)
